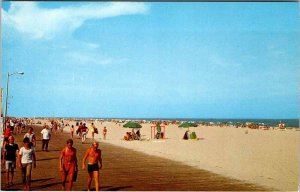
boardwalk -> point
(124, 170)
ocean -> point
(270, 122)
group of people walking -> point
(68, 164)
(25, 158)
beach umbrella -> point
(132, 125)
(188, 125)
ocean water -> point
(270, 122)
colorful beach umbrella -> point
(132, 125)
(188, 125)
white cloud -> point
(89, 58)
(40, 23)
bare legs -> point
(9, 181)
(95, 175)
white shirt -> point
(46, 133)
(30, 136)
(26, 154)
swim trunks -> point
(93, 167)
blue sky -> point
(146, 59)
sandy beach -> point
(123, 170)
(268, 158)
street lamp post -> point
(6, 101)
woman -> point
(68, 164)
(26, 159)
(72, 131)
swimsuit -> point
(93, 167)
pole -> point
(5, 116)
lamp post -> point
(6, 100)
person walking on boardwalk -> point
(10, 153)
(95, 156)
(84, 131)
(72, 131)
(68, 164)
(26, 159)
(30, 134)
(46, 135)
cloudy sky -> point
(139, 60)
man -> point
(30, 134)
(68, 164)
(95, 156)
(45, 138)
(10, 154)
(84, 131)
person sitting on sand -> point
(128, 136)
(68, 164)
(138, 134)
(186, 135)
(95, 156)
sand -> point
(269, 158)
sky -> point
(151, 59)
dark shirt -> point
(10, 151)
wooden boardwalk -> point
(123, 170)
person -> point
(30, 134)
(84, 131)
(62, 126)
(45, 138)
(186, 135)
(138, 134)
(104, 133)
(95, 156)
(72, 131)
(78, 131)
(26, 159)
(68, 164)
(12, 125)
(158, 130)
(7, 133)
(10, 154)
(93, 130)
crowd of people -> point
(133, 135)
(24, 157)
